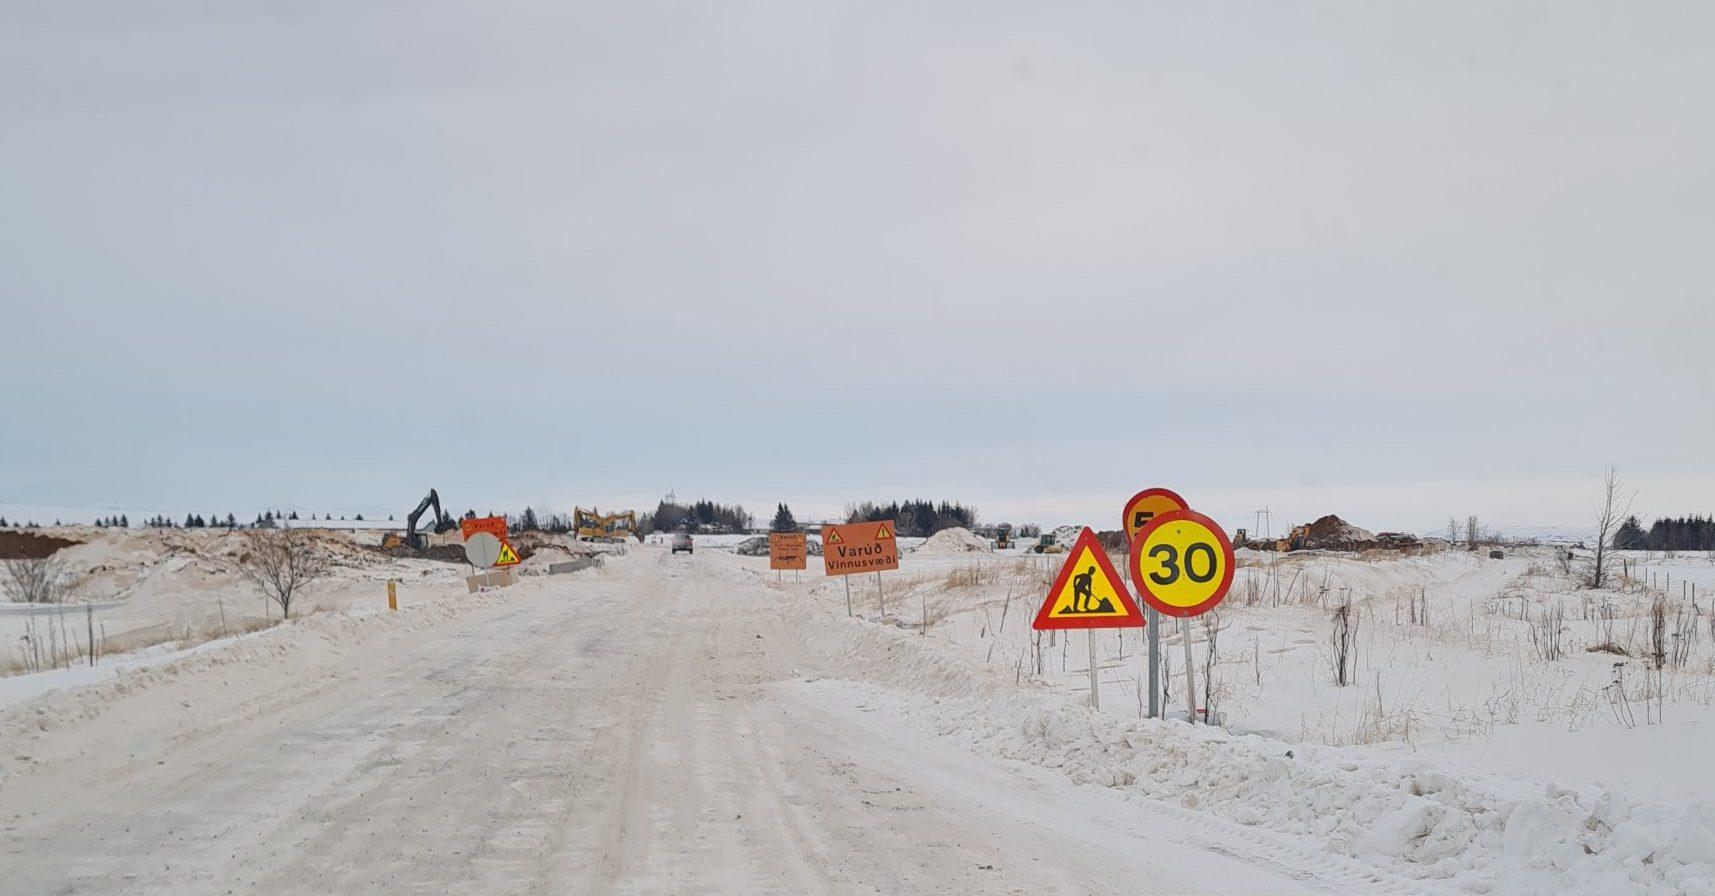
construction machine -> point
(1046, 545)
(592, 525)
(441, 523)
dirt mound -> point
(15, 545)
(954, 541)
(1330, 533)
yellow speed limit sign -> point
(1182, 563)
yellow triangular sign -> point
(1088, 593)
(508, 556)
(834, 536)
(883, 533)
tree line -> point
(705, 516)
(267, 519)
(1686, 533)
(914, 519)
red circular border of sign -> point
(1141, 582)
(1125, 512)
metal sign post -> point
(1153, 658)
(1095, 681)
(1190, 673)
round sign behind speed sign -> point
(1182, 563)
(1147, 505)
(482, 549)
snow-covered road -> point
(651, 728)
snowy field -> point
(680, 724)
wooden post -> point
(392, 595)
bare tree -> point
(35, 580)
(280, 562)
(1613, 509)
(1472, 530)
(1452, 532)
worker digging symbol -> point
(1088, 592)
(1083, 595)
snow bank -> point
(1475, 833)
(953, 541)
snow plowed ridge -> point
(82, 703)
(1421, 828)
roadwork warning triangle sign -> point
(834, 536)
(1088, 593)
(508, 556)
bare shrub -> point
(1546, 632)
(973, 575)
(1211, 692)
(1684, 635)
(1658, 633)
(280, 562)
(1345, 640)
(35, 580)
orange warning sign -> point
(496, 526)
(1089, 592)
(493, 525)
(859, 547)
(786, 550)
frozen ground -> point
(674, 724)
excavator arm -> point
(442, 522)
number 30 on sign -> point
(1182, 563)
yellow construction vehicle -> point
(592, 525)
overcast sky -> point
(1396, 263)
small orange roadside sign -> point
(496, 526)
(859, 547)
(786, 550)
(493, 525)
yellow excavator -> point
(592, 525)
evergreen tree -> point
(783, 521)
